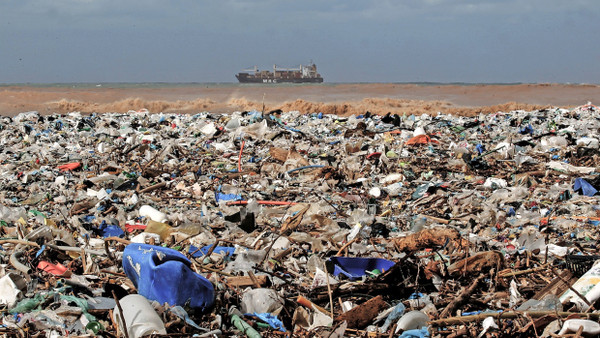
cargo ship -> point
(302, 74)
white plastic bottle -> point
(140, 317)
(590, 327)
(588, 286)
(153, 214)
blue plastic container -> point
(356, 267)
(164, 275)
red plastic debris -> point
(54, 269)
(69, 166)
(374, 155)
(132, 227)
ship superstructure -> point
(301, 74)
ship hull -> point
(249, 79)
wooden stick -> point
(151, 161)
(253, 278)
(522, 272)
(245, 281)
(83, 263)
(18, 241)
(153, 187)
(532, 325)
(393, 330)
(114, 322)
(328, 290)
(437, 219)
(235, 243)
(210, 251)
(462, 297)
(202, 267)
(109, 210)
(282, 254)
(591, 306)
(121, 314)
(120, 274)
(339, 253)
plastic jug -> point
(140, 317)
(164, 275)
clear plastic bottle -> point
(191, 229)
(162, 229)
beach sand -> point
(341, 99)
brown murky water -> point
(342, 99)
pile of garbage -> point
(280, 224)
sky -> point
(475, 41)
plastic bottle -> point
(590, 327)
(191, 229)
(162, 229)
(588, 286)
(140, 317)
(153, 214)
(94, 327)
(241, 325)
(12, 287)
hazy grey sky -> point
(349, 40)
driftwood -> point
(153, 187)
(463, 297)
(362, 315)
(428, 238)
(479, 262)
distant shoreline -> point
(341, 98)
(236, 84)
